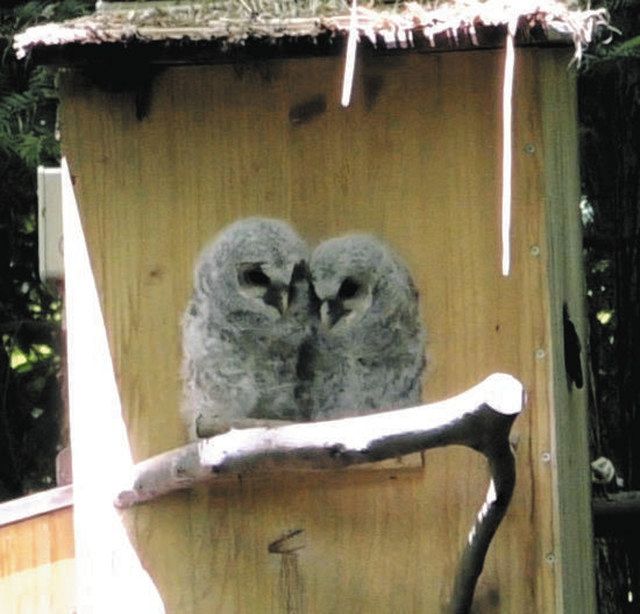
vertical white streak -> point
(350, 60)
(490, 499)
(110, 577)
(507, 127)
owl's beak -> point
(277, 295)
(331, 311)
(284, 301)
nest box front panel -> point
(415, 160)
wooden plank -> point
(46, 589)
(414, 159)
(570, 461)
(37, 568)
(40, 540)
(33, 505)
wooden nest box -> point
(173, 129)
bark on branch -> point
(479, 418)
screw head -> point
(529, 149)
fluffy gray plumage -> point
(244, 326)
(369, 350)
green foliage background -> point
(609, 103)
(30, 314)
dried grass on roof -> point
(237, 20)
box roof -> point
(222, 25)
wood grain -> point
(37, 567)
(415, 159)
(572, 478)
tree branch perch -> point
(479, 418)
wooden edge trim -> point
(35, 505)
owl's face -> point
(350, 278)
(252, 267)
(266, 285)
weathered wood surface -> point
(414, 159)
(572, 474)
(37, 567)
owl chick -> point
(369, 349)
(244, 326)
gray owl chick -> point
(244, 325)
(369, 349)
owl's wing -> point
(218, 385)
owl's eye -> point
(348, 289)
(255, 277)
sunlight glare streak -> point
(110, 577)
(507, 126)
(350, 61)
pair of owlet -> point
(274, 332)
